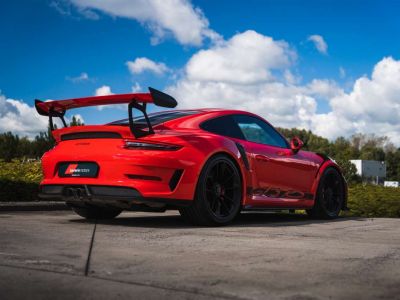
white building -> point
(370, 169)
(391, 184)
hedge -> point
(373, 201)
(19, 181)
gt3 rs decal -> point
(272, 192)
(79, 169)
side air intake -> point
(173, 182)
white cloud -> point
(246, 58)
(20, 118)
(168, 17)
(136, 88)
(142, 64)
(323, 88)
(82, 77)
(342, 72)
(103, 91)
(373, 105)
(61, 7)
(65, 8)
(290, 77)
(319, 43)
(88, 13)
(283, 105)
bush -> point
(19, 181)
(373, 201)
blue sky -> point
(47, 45)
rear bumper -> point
(121, 197)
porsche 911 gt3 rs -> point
(210, 164)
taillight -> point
(150, 146)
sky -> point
(329, 66)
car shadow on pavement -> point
(247, 219)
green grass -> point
(19, 182)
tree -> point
(25, 148)
(342, 149)
(349, 170)
(76, 122)
(372, 153)
(393, 165)
(8, 146)
(42, 143)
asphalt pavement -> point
(58, 255)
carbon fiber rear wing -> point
(57, 108)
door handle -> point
(262, 158)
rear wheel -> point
(94, 212)
(330, 196)
(218, 194)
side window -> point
(257, 131)
(225, 126)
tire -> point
(94, 212)
(218, 194)
(330, 196)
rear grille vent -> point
(90, 135)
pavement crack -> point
(87, 266)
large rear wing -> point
(57, 108)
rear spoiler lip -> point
(58, 108)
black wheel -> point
(330, 196)
(94, 212)
(218, 194)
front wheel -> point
(330, 196)
(218, 194)
(93, 212)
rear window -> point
(157, 118)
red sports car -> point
(210, 164)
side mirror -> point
(296, 144)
